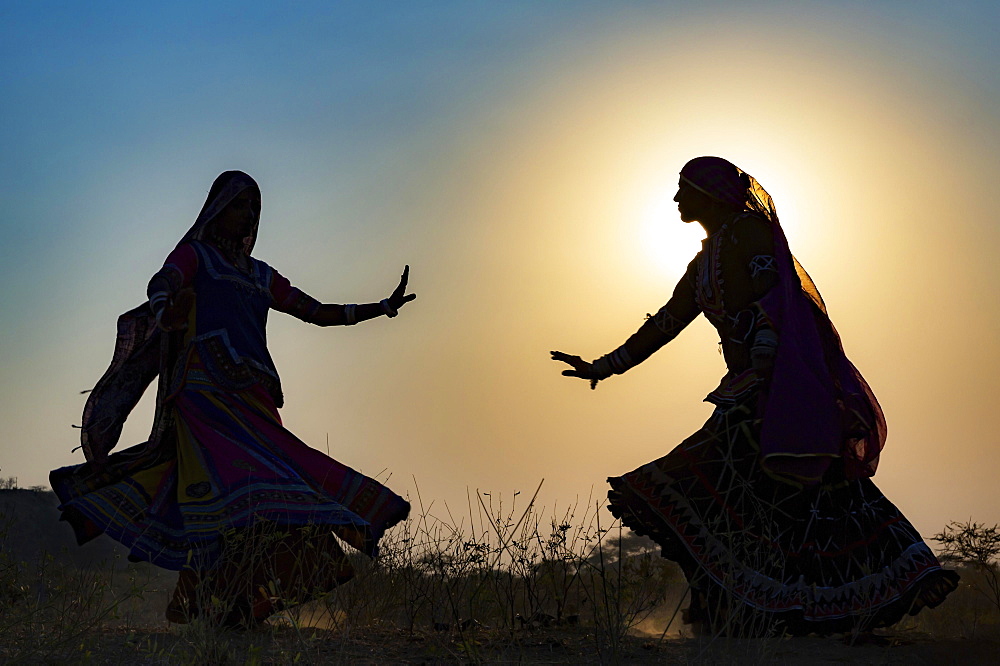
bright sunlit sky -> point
(521, 157)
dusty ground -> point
(284, 644)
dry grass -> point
(504, 582)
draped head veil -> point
(226, 187)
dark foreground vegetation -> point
(505, 582)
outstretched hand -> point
(580, 368)
(399, 297)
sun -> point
(668, 243)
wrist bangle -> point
(765, 343)
(158, 302)
(389, 311)
(602, 367)
(615, 363)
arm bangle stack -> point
(388, 309)
(351, 314)
(614, 363)
(158, 304)
(602, 367)
(158, 301)
(765, 343)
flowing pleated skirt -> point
(231, 484)
(764, 556)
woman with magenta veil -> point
(221, 491)
(769, 508)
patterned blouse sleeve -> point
(291, 300)
(177, 273)
(682, 308)
(756, 244)
(657, 330)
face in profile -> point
(692, 204)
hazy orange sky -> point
(521, 158)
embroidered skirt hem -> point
(762, 555)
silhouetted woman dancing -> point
(222, 491)
(769, 508)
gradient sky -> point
(521, 158)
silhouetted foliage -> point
(978, 546)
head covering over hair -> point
(724, 181)
(716, 177)
(226, 187)
(817, 406)
(143, 351)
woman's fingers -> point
(581, 369)
(398, 296)
(575, 361)
(403, 279)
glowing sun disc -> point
(669, 243)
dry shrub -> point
(977, 547)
